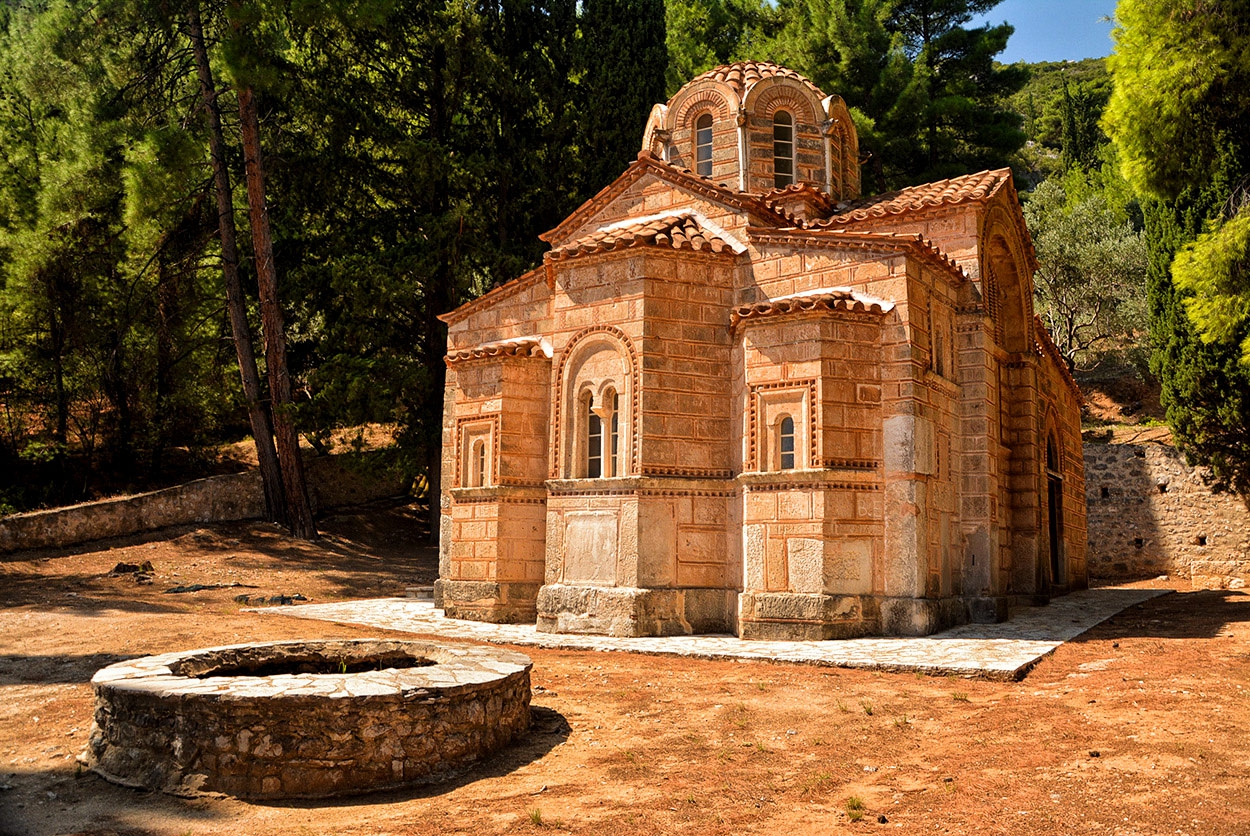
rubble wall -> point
(333, 482)
(1150, 514)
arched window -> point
(785, 443)
(703, 145)
(594, 441)
(478, 475)
(613, 402)
(783, 149)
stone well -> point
(305, 719)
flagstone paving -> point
(990, 651)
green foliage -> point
(1182, 78)
(702, 34)
(1040, 100)
(1215, 273)
(1091, 275)
(624, 59)
(1205, 388)
(1177, 115)
(101, 226)
(928, 99)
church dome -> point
(742, 75)
(757, 127)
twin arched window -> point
(703, 145)
(783, 149)
(602, 427)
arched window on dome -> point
(783, 149)
(703, 145)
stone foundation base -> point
(627, 611)
(921, 616)
(793, 616)
(988, 610)
(497, 603)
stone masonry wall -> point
(1150, 513)
(334, 481)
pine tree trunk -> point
(262, 431)
(298, 507)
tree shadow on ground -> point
(1200, 614)
(70, 801)
(98, 808)
(74, 592)
(55, 670)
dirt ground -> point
(1138, 727)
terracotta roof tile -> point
(806, 191)
(740, 75)
(908, 241)
(823, 299)
(677, 231)
(1046, 346)
(681, 177)
(969, 188)
(516, 347)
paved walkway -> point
(988, 651)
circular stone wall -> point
(305, 719)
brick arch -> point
(1007, 283)
(768, 96)
(844, 143)
(704, 95)
(563, 396)
(709, 99)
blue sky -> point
(1053, 30)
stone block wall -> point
(1150, 514)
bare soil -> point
(1138, 727)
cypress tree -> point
(624, 58)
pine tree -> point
(928, 100)
(1177, 113)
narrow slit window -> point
(783, 149)
(479, 464)
(785, 443)
(594, 446)
(703, 145)
(614, 441)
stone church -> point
(740, 397)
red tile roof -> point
(824, 299)
(969, 188)
(677, 231)
(742, 74)
(518, 347)
(818, 199)
(912, 242)
(1046, 347)
(680, 177)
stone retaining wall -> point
(333, 481)
(1151, 514)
